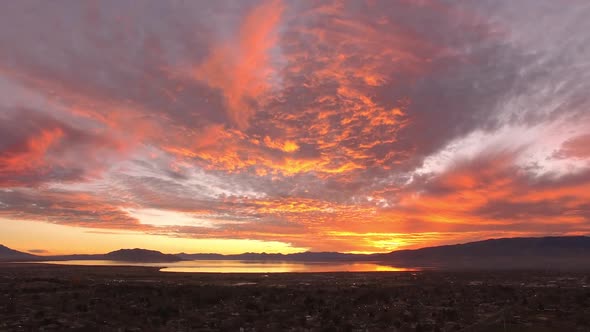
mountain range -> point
(122, 255)
(568, 252)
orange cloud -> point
(242, 68)
(29, 155)
(79, 209)
(286, 146)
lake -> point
(231, 266)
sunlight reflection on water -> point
(230, 266)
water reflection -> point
(280, 267)
(229, 266)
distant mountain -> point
(121, 255)
(140, 255)
(76, 257)
(124, 255)
(7, 254)
(297, 257)
(506, 253)
(568, 252)
(211, 256)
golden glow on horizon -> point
(62, 240)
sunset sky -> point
(285, 126)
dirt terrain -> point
(40, 297)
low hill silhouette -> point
(566, 252)
(140, 255)
(505, 253)
(122, 255)
(11, 254)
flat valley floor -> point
(41, 297)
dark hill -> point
(140, 255)
(7, 254)
(125, 255)
(507, 253)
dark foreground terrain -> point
(37, 297)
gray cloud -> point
(38, 251)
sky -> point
(286, 126)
